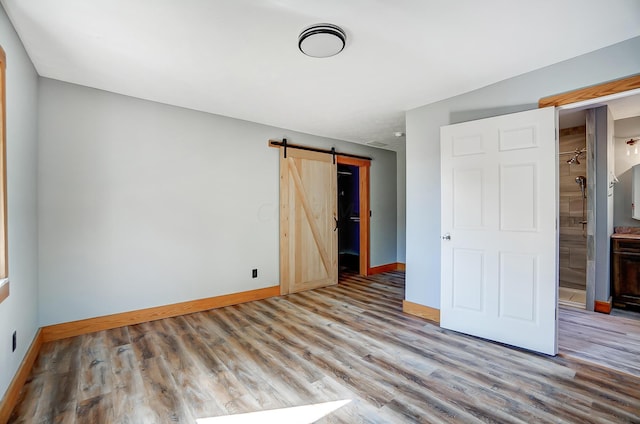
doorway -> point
(573, 209)
(309, 215)
(354, 214)
(602, 173)
(348, 218)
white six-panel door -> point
(499, 246)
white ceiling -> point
(625, 107)
(239, 58)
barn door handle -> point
(335, 219)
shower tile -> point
(590, 226)
(569, 187)
(571, 231)
(578, 258)
(577, 170)
(571, 241)
(566, 294)
(573, 278)
(565, 221)
(575, 206)
(564, 257)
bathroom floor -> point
(572, 297)
(576, 298)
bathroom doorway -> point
(573, 201)
(598, 204)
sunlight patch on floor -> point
(306, 414)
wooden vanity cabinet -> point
(625, 271)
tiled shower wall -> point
(573, 241)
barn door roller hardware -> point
(286, 145)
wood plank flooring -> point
(347, 342)
(609, 341)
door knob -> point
(446, 237)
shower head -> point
(575, 157)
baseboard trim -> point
(10, 398)
(107, 322)
(602, 306)
(396, 266)
(426, 312)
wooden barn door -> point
(308, 213)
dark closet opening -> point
(348, 218)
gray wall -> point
(625, 129)
(603, 197)
(512, 95)
(19, 311)
(402, 205)
(143, 204)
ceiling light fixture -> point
(322, 40)
(632, 142)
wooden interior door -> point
(308, 213)
(500, 244)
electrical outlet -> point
(254, 273)
(14, 342)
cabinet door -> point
(626, 273)
(629, 284)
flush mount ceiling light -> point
(322, 40)
(632, 142)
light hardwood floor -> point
(347, 342)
